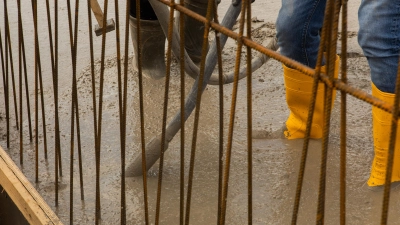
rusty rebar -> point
(182, 104)
(204, 50)
(249, 121)
(122, 112)
(100, 116)
(165, 110)
(7, 27)
(141, 107)
(36, 41)
(232, 114)
(392, 145)
(21, 136)
(332, 12)
(221, 114)
(343, 110)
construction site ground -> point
(276, 160)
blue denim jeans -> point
(299, 23)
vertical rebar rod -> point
(92, 71)
(124, 106)
(7, 27)
(21, 136)
(122, 116)
(343, 111)
(331, 44)
(39, 86)
(306, 142)
(73, 34)
(221, 112)
(165, 110)
(42, 105)
(141, 108)
(210, 9)
(36, 41)
(100, 116)
(182, 146)
(232, 114)
(392, 145)
(6, 92)
(249, 121)
(57, 157)
(28, 105)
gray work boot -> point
(152, 47)
(194, 30)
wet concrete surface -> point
(275, 165)
(276, 161)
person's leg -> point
(152, 42)
(298, 26)
(146, 11)
(379, 37)
(194, 30)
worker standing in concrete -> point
(298, 25)
(153, 37)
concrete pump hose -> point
(154, 146)
(256, 63)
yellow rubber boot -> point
(381, 122)
(298, 95)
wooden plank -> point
(23, 194)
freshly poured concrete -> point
(275, 161)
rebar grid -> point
(243, 38)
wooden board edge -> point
(23, 194)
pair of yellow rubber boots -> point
(298, 95)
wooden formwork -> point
(23, 194)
